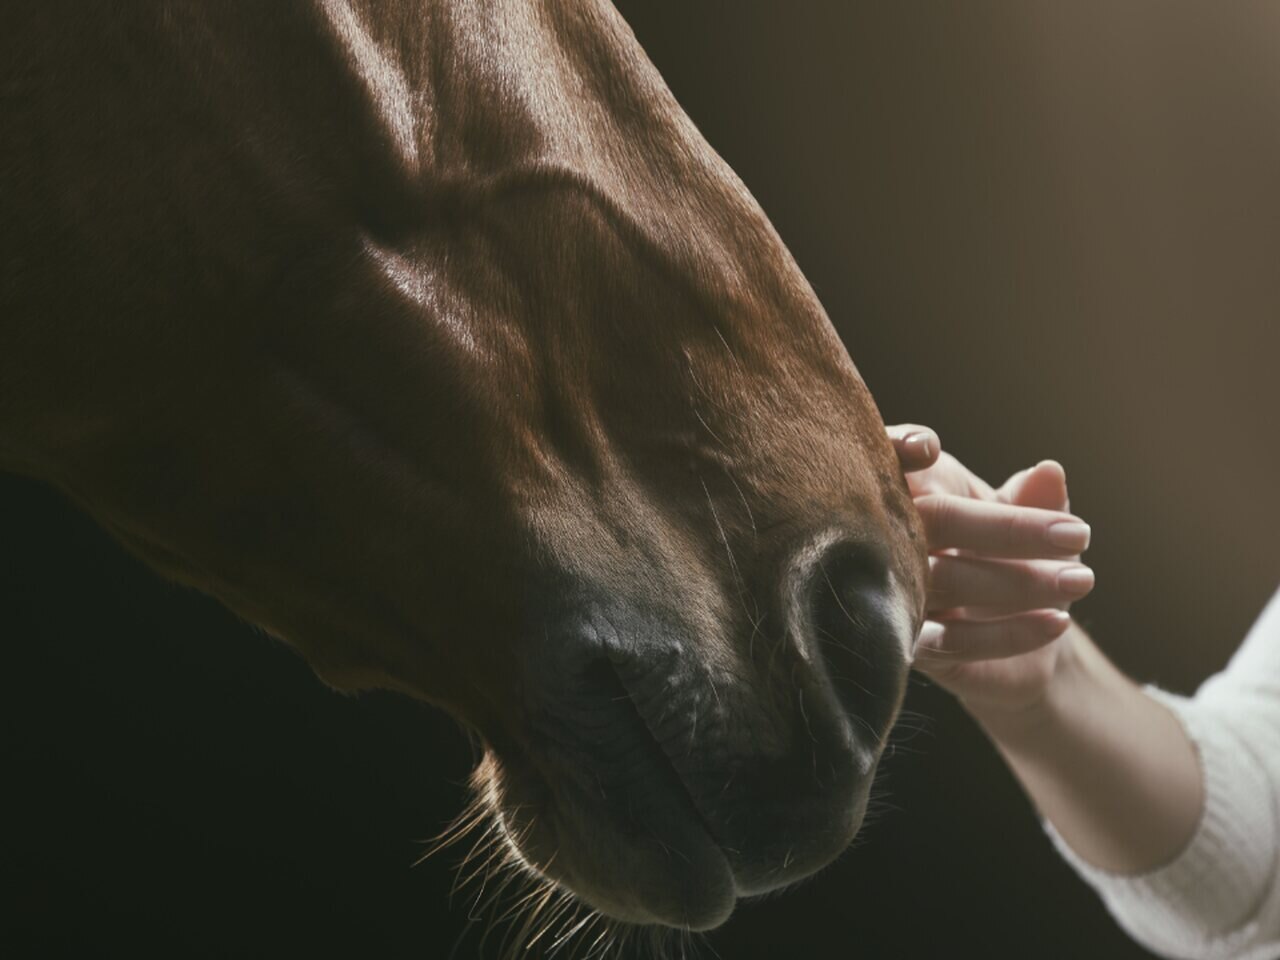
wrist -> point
(1110, 767)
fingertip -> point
(1075, 581)
(1053, 623)
(1052, 467)
(930, 634)
(922, 447)
(1044, 486)
(1070, 535)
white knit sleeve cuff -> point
(1203, 904)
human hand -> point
(1003, 571)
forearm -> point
(1109, 767)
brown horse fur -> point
(433, 338)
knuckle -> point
(949, 512)
(934, 512)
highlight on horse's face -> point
(474, 373)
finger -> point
(1044, 486)
(1008, 490)
(964, 641)
(949, 475)
(999, 529)
(1004, 584)
(917, 447)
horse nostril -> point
(856, 631)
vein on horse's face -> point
(434, 339)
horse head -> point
(434, 339)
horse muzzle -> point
(661, 774)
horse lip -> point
(639, 759)
(675, 767)
(746, 881)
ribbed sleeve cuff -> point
(1202, 905)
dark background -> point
(1049, 230)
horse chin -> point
(641, 857)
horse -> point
(432, 337)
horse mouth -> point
(589, 802)
(643, 794)
(653, 809)
(648, 729)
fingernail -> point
(1069, 535)
(1054, 623)
(922, 442)
(1076, 581)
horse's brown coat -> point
(434, 338)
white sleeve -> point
(1219, 899)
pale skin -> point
(1108, 766)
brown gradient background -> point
(1047, 229)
